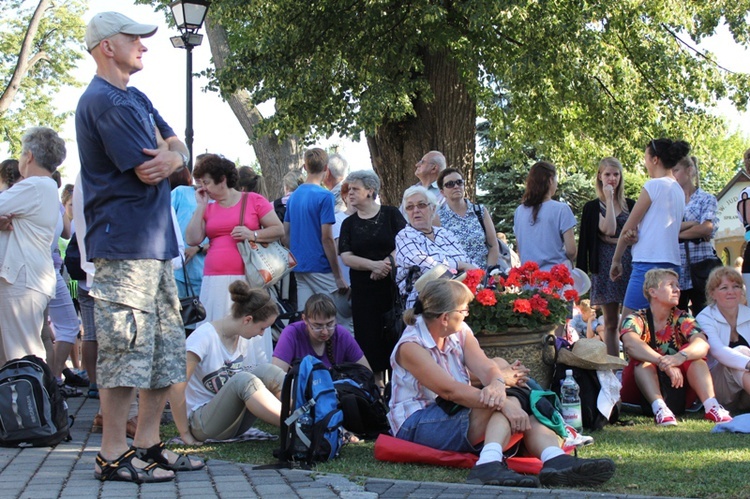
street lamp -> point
(188, 16)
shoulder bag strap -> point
(242, 208)
(651, 329)
(187, 279)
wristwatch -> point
(185, 159)
(683, 354)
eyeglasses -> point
(464, 312)
(412, 207)
(318, 328)
(454, 183)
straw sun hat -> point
(589, 353)
(439, 271)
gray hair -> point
(46, 146)
(418, 189)
(439, 159)
(338, 166)
(369, 179)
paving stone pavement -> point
(67, 472)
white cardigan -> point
(717, 329)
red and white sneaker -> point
(575, 439)
(665, 417)
(718, 414)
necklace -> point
(428, 232)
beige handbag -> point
(265, 263)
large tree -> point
(575, 80)
(40, 45)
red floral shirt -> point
(678, 332)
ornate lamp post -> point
(188, 16)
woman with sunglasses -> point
(421, 246)
(317, 334)
(469, 222)
(544, 228)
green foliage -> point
(575, 80)
(58, 41)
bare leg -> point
(611, 311)
(89, 354)
(74, 357)
(265, 406)
(699, 378)
(539, 437)
(62, 351)
(648, 381)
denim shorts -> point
(434, 428)
(634, 297)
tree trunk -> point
(447, 124)
(275, 157)
(24, 62)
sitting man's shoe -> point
(665, 417)
(497, 473)
(718, 414)
(573, 472)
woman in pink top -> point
(216, 178)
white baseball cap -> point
(107, 24)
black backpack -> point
(589, 384)
(360, 400)
(33, 412)
(73, 260)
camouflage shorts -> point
(141, 341)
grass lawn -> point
(685, 461)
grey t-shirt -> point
(542, 241)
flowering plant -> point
(528, 298)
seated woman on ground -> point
(223, 397)
(726, 322)
(317, 334)
(676, 347)
(434, 404)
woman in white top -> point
(225, 394)
(654, 221)
(433, 402)
(726, 322)
(28, 215)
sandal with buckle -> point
(122, 469)
(155, 455)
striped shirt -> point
(408, 395)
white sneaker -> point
(575, 439)
(665, 417)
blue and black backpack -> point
(310, 416)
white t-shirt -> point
(35, 206)
(217, 364)
(659, 231)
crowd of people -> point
(150, 232)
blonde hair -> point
(619, 193)
(585, 305)
(438, 297)
(715, 278)
(654, 277)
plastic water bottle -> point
(304, 426)
(571, 401)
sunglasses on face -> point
(454, 183)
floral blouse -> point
(681, 327)
(468, 230)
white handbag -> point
(265, 263)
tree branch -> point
(22, 65)
(693, 49)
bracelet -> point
(683, 354)
(501, 380)
(255, 233)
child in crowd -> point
(585, 323)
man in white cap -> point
(127, 151)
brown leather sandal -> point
(122, 469)
(155, 455)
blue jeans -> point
(634, 297)
(434, 428)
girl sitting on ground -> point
(317, 334)
(225, 395)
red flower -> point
(473, 278)
(560, 272)
(571, 295)
(487, 297)
(539, 304)
(522, 306)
